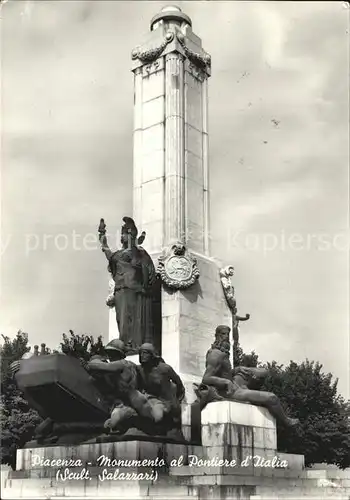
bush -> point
(18, 420)
(311, 395)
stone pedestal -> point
(103, 455)
(237, 431)
(229, 431)
(189, 319)
(41, 472)
(181, 475)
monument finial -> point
(170, 14)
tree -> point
(18, 420)
(242, 359)
(311, 395)
(12, 350)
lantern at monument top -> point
(170, 14)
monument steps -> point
(263, 492)
(300, 483)
(27, 484)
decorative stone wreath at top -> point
(201, 61)
(146, 56)
(150, 55)
(177, 268)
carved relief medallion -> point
(177, 267)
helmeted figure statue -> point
(134, 276)
(163, 389)
(145, 397)
(221, 382)
(117, 380)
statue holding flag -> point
(225, 276)
(134, 277)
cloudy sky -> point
(279, 161)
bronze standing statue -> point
(225, 277)
(134, 276)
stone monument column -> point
(171, 184)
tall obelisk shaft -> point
(171, 183)
(171, 193)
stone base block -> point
(227, 424)
(242, 433)
(189, 319)
(295, 462)
(186, 470)
(238, 413)
(180, 482)
(239, 435)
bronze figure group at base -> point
(109, 394)
(124, 400)
(145, 396)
